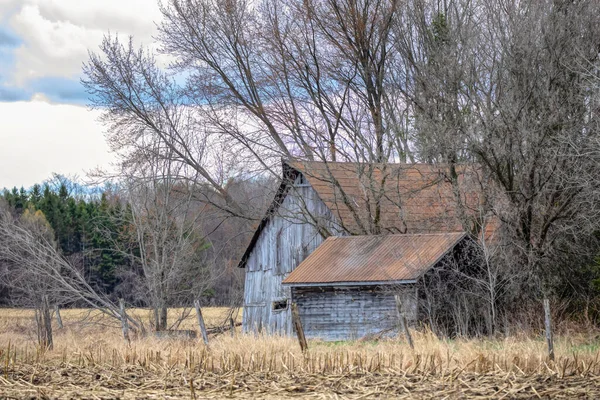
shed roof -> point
(373, 259)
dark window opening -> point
(301, 181)
(280, 305)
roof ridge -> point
(400, 234)
(289, 161)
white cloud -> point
(57, 34)
(38, 138)
(8, 7)
(133, 16)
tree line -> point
(113, 243)
(78, 223)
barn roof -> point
(413, 198)
(373, 259)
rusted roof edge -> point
(450, 247)
(351, 283)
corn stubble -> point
(89, 361)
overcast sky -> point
(45, 126)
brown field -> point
(91, 360)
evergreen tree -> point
(36, 195)
(88, 229)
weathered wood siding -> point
(288, 238)
(349, 313)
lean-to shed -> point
(317, 200)
(346, 288)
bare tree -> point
(510, 85)
(501, 83)
(168, 234)
(143, 105)
(38, 274)
(303, 80)
(307, 76)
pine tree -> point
(36, 195)
(89, 228)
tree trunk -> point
(402, 321)
(156, 320)
(44, 324)
(163, 318)
(58, 318)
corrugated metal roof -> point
(369, 259)
(413, 198)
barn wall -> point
(348, 313)
(286, 240)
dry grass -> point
(91, 360)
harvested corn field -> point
(98, 381)
(92, 362)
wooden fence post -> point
(58, 318)
(403, 323)
(156, 319)
(124, 323)
(201, 322)
(299, 330)
(232, 326)
(548, 323)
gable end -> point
(289, 176)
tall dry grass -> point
(93, 340)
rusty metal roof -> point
(373, 259)
(412, 198)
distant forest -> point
(93, 229)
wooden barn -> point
(340, 239)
